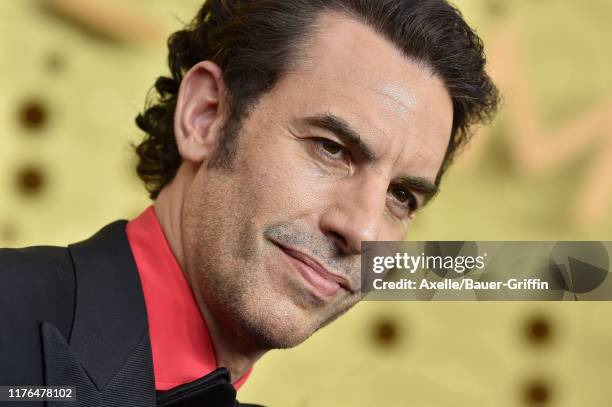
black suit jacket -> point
(76, 316)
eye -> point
(330, 148)
(404, 197)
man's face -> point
(339, 152)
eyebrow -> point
(345, 132)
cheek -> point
(283, 183)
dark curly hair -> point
(255, 42)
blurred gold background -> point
(74, 74)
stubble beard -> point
(229, 280)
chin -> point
(278, 328)
(279, 340)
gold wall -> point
(74, 74)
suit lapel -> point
(129, 387)
(108, 353)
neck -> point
(230, 350)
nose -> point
(355, 215)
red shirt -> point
(180, 343)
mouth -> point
(323, 281)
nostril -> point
(339, 241)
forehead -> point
(398, 105)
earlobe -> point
(199, 112)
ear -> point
(199, 113)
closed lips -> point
(317, 268)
